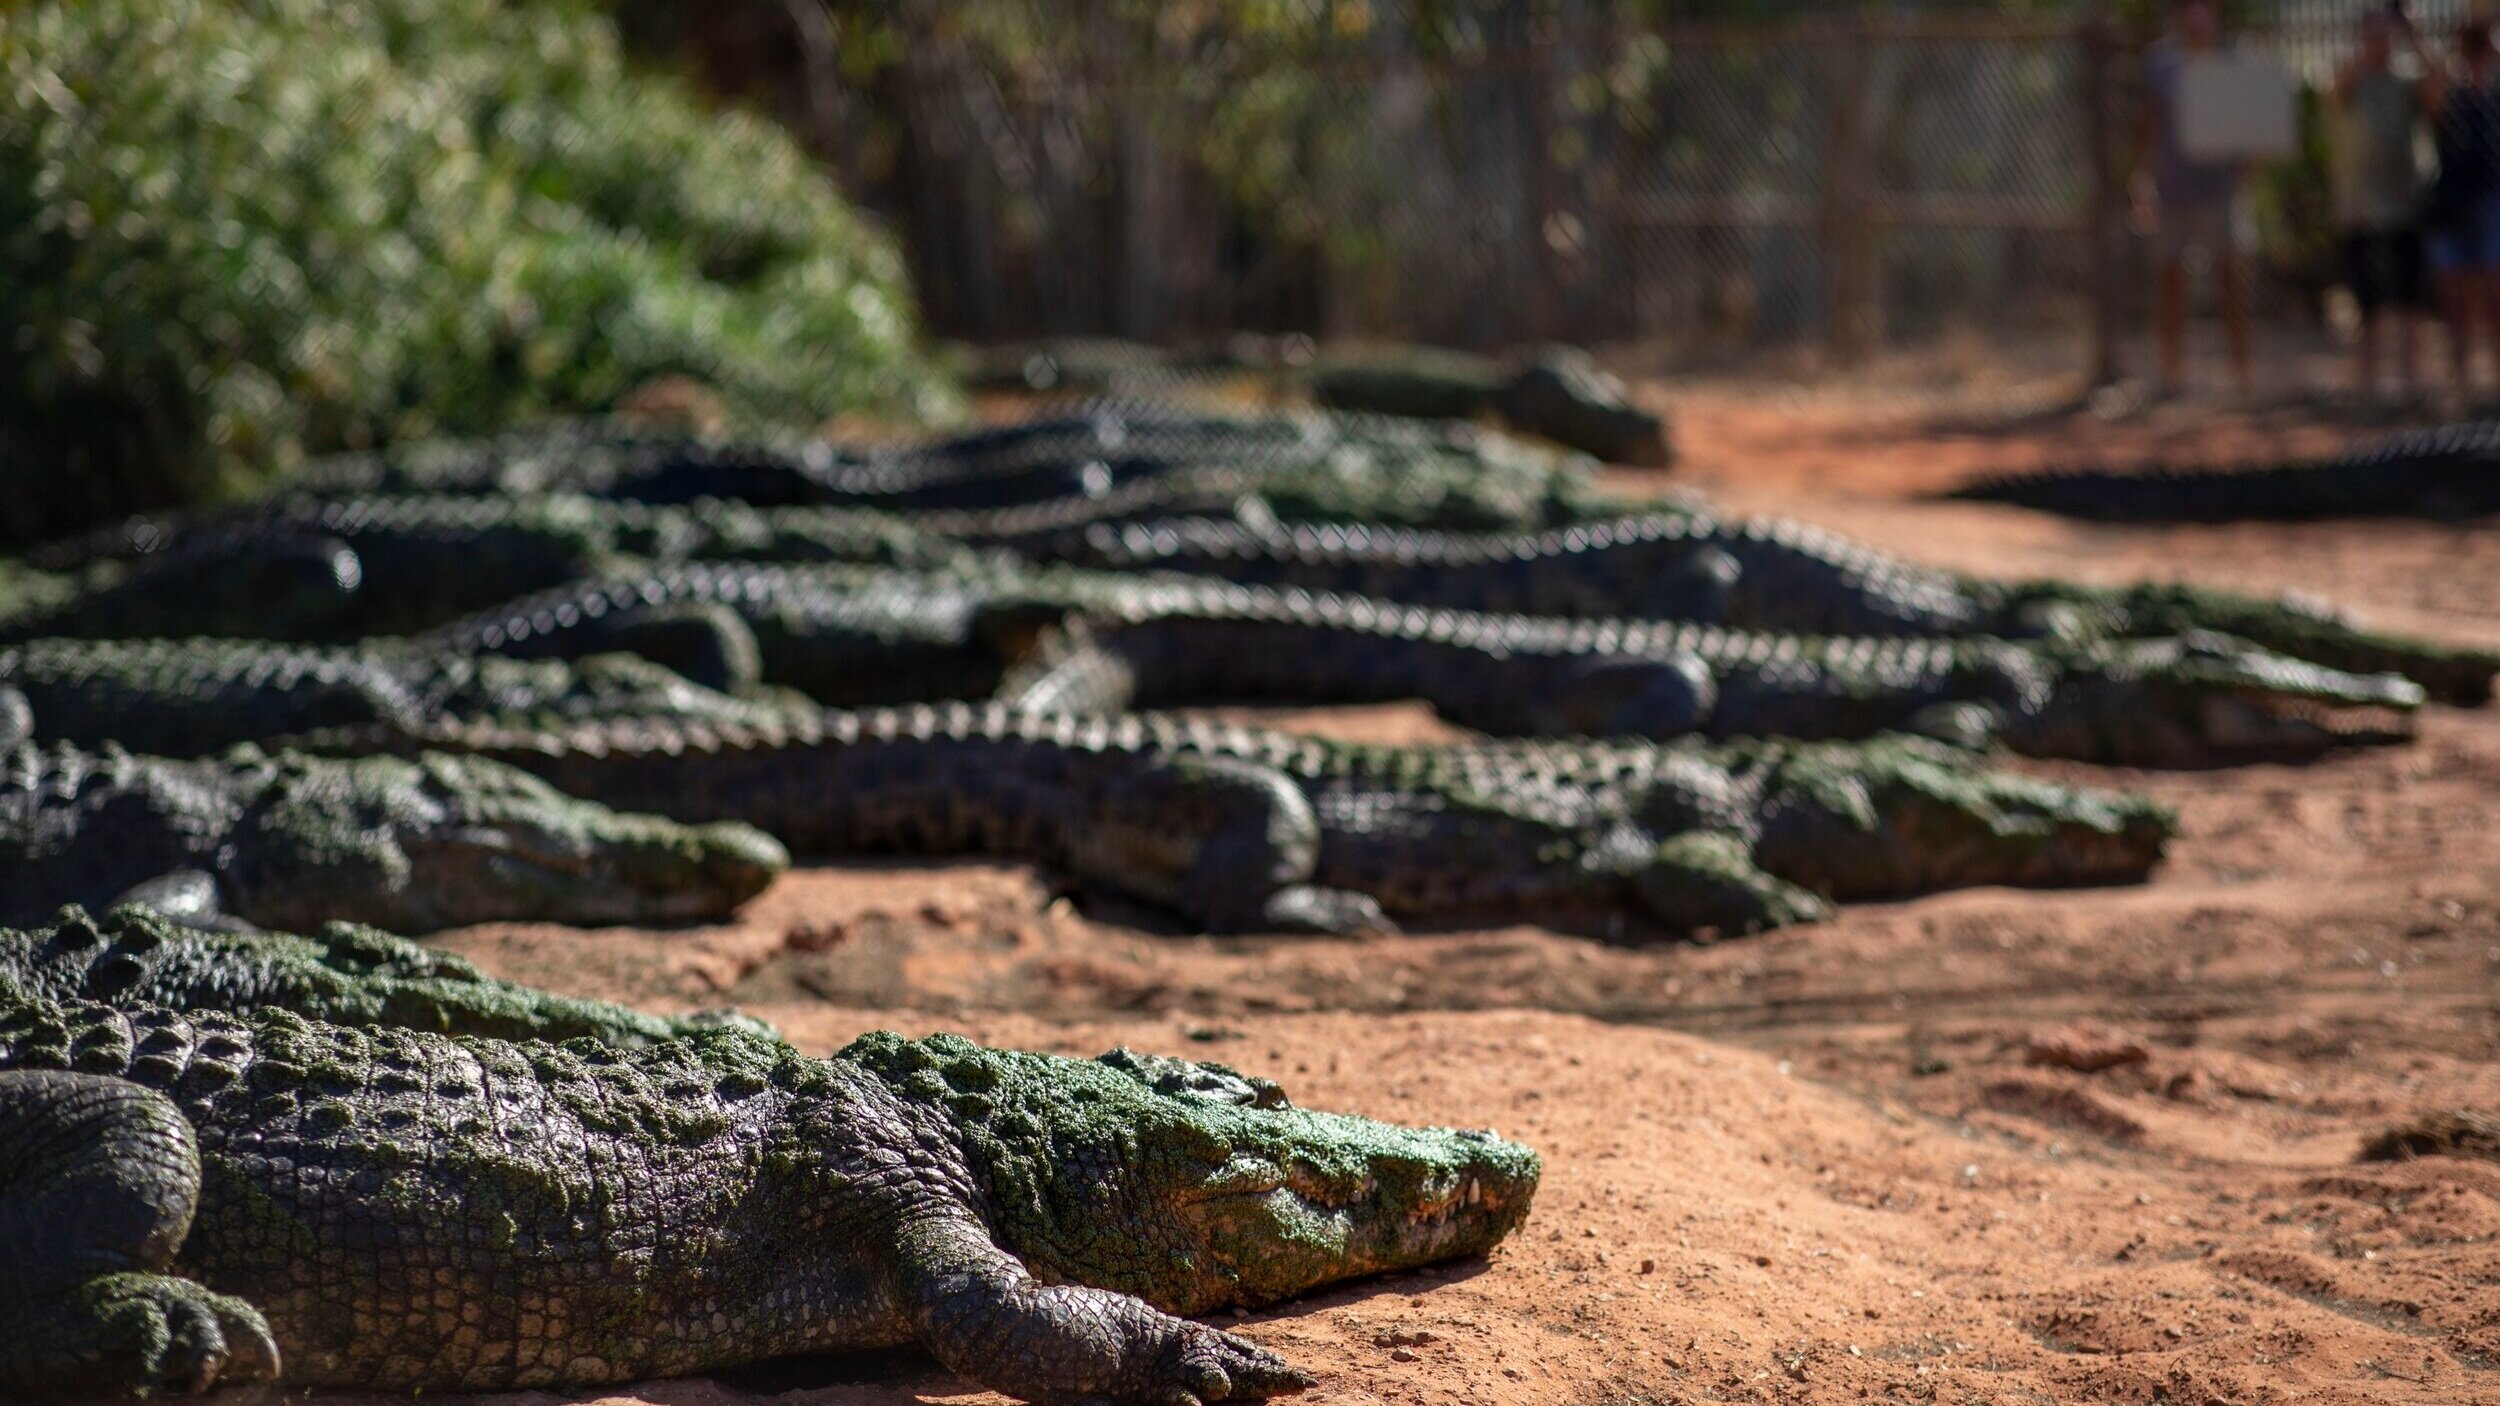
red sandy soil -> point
(1862, 1161)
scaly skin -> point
(1463, 477)
(344, 974)
(2192, 701)
(2443, 472)
(1243, 829)
(292, 841)
(342, 570)
(1677, 565)
(1362, 492)
(216, 1197)
(191, 697)
(609, 459)
(285, 584)
(850, 636)
(1557, 392)
(334, 570)
(2293, 626)
(1425, 383)
(1561, 393)
(1772, 576)
(1100, 642)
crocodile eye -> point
(1243, 1175)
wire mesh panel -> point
(1495, 172)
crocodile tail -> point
(2444, 472)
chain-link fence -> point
(1495, 171)
(1850, 179)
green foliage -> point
(232, 234)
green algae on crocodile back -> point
(192, 697)
(1760, 574)
(2203, 698)
(382, 1209)
(1250, 830)
(344, 974)
(292, 841)
(1901, 816)
(2291, 625)
(475, 842)
(1195, 1193)
(1126, 456)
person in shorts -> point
(2379, 188)
(2462, 244)
(2191, 208)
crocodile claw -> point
(157, 1333)
(1207, 1365)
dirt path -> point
(1828, 1165)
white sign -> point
(2235, 107)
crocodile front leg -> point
(1707, 881)
(98, 1180)
(979, 1312)
(1240, 839)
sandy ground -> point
(1846, 1163)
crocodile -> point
(310, 568)
(1242, 829)
(845, 635)
(340, 570)
(2194, 700)
(1677, 565)
(215, 1197)
(290, 841)
(1557, 392)
(2446, 472)
(1392, 494)
(1767, 575)
(1102, 446)
(286, 585)
(1096, 642)
(1562, 394)
(2292, 624)
(1085, 451)
(1098, 366)
(191, 697)
(343, 974)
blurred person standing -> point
(2191, 208)
(2379, 187)
(2463, 215)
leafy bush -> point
(236, 232)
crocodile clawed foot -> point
(156, 1334)
(1707, 882)
(1306, 908)
(1204, 1366)
(1217, 1366)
